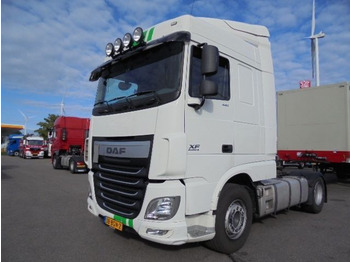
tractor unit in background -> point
(67, 141)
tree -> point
(46, 126)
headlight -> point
(127, 40)
(109, 49)
(162, 208)
(138, 34)
(86, 151)
(118, 45)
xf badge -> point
(194, 147)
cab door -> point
(209, 127)
(209, 132)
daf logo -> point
(116, 150)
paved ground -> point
(44, 218)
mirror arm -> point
(198, 106)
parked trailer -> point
(182, 141)
(67, 142)
(314, 126)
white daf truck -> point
(182, 141)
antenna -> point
(314, 46)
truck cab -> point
(183, 131)
(66, 143)
(32, 147)
(13, 144)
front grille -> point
(120, 183)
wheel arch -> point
(242, 179)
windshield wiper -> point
(145, 93)
(155, 95)
(105, 109)
(115, 99)
(111, 100)
(100, 103)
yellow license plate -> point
(114, 223)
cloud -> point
(49, 48)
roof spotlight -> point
(138, 35)
(118, 45)
(109, 49)
(127, 40)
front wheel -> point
(72, 166)
(233, 219)
(56, 162)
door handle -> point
(227, 148)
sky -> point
(49, 48)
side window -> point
(221, 77)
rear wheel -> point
(317, 197)
(233, 219)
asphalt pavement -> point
(44, 217)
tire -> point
(56, 162)
(233, 219)
(72, 166)
(16, 153)
(317, 197)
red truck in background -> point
(32, 147)
(67, 141)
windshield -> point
(146, 79)
(35, 142)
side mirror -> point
(210, 59)
(64, 134)
(208, 88)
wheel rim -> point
(318, 193)
(235, 219)
(72, 166)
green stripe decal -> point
(125, 221)
(150, 34)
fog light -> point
(162, 208)
(118, 45)
(109, 49)
(156, 232)
(127, 40)
(138, 35)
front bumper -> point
(29, 154)
(175, 231)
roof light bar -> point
(129, 41)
